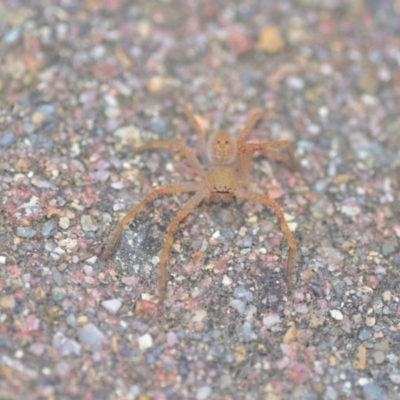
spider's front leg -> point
(170, 189)
(181, 215)
(186, 151)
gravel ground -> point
(82, 84)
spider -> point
(224, 176)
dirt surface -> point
(82, 83)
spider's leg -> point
(243, 154)
(201, 144)
(186, 151)
(266, 201)
(247, 128)
(268, 150)
(180, 216)
(170, 189)
(292, 162)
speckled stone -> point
(91, 337)
(25, 232)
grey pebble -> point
(25, 232)
(247, 333)
(373, 392)
(46, 109)
(158, 125)
(365, 334)
(238, 305)
(58, 294)
(71, 320)
(91, 336)
(389, 246)
(379, 356)
(339, 288)
(43, 183)
(12, 36)
(48, 228)
(7, 139)
(58, 277)
(247, 241)
(65, 346)
(241, 292)
(331, 393)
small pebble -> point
(38, 119)
(386, 295)
(370, 321)
(203, 393)
(7, 302)
(199, 315)
(7, 139)
(112, 306)
(129, 135)
(58, 294)
(247, 333)
(48, 227)
(389, 246)
(350, 210)
(336, 314)
(365, 334)
(91, 337)
(171, 338)
(145, 341)
(63, 223)
(112, 112)
(238, 305)
(226, 281)
(295, 83)
(270, 41)
(87, 224)
(25, 232)
(42, 183)
(242, 292)
(379, 357)
(58, 277)
(271, 320)
(372, 391)
(395, 378)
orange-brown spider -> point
(225, 175)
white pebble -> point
(336, 314)
(271, 320)
(145, 341)
(226, 281)
(350, 210)
(112, 305)
(199, 315)
(203, 393)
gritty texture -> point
(82, 83)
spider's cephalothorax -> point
(225, 175)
